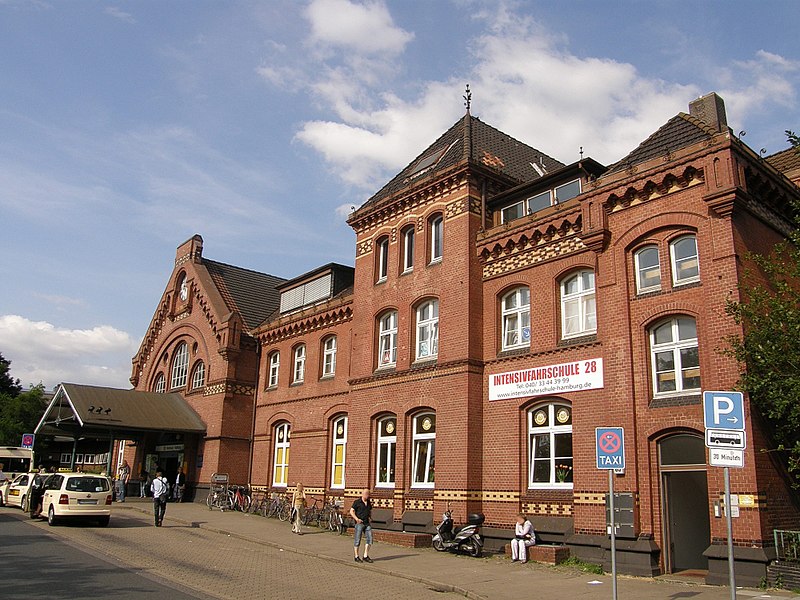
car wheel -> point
(51, 516)
(24, 504)
(103, 521)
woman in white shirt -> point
(524, 537)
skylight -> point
(430, 161)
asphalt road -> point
(37, 564)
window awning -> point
(91, 410)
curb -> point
(438, 585)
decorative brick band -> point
(218, 388)
(550, 510)
(519, 259)
(588, 498)
(418, 504)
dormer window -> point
(515, 211)
(540, 201)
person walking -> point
(160, 489)
(123, 475)
(298, 507)
(361, 511)
(180, 486)
(524, 537)
(143, 478)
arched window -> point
(280, 468)
(675, 356)
(199, 375)
(160, 385)
(550, 446)
(382, 259)
(339, 453)
(299, 369)
(648, 269)
(437, 238)
(578, 309)
(387, 339)
(516, 306)
(685, 263)
(387, 446)
(180, 365)
(329, 356)
(408, 249)
(274, 368)
(428, 329)
(423, 444)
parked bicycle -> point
(219, 497)
(240, 497)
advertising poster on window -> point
(550, 379)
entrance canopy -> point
(100, 412)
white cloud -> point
(526, 82)
(366, 28)
(118, 13)
(42, 352)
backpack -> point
(164, 495)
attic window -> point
(431, 160)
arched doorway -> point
(685, 510)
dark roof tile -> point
(785, 160)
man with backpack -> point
(160, 489)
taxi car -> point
(17, 491)
(77, 496)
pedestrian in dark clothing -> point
(361, 511)
(160, 489)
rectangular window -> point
(675, 357)
(538, 202)
(79, 459)
(550, 460)
(299, 364)
(424, 451)
(274, 368)
(685, 262)
(567, 191)
(408, 250)
(428, 330)
(65, 458)
(437, 242)
(339, 453)
(383, 259)
(387, 340)
(387, 445)
(578, 309)
(515, 211)
(329, 357)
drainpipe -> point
(255, 409)
(74, 449)
(110, 453)
(483, 204)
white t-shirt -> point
(159, 486)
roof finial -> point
(581, 151)
(467, 98)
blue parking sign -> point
(610, 447)
(723, 410)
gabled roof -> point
(80, 408)
(785, 160)
(680, 131)
(252, 294)
(469, 140)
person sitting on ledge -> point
(524, 537)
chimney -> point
(190, 250)
(711, 110)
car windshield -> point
(87, 484)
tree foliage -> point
(20, 414)
(769, 349)
(8, 385)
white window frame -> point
(282, 442)
(517, 312)
(299, 364)
(274, 368)
(329, 356)
(180, 366)
(641, 289)
(674, 261)
(383, 259)
(160, 384)
(524, 209)
(428, 330)
(556, 200)
(199, 375)
(437, 238)
(551, 430)
(387, 441)
(79, 459)
(339, 440)
(66, 457)
(584, 297)
(428, 440)
(676, 345)
(387, 339)
(408, 249)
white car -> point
(17, 492)
(77, 496)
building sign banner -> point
(551, 379)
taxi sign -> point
(27, 440)
(610, 447)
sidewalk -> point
(485, 578)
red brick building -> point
(502, 306)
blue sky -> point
(129, 126)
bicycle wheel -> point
(284, 511)
(210, 500)
(246, 500)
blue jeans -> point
(366, 529)
(121, 490)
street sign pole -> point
(613, 535)
(729, 524)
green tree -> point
(8, 385)
(769, 349)
(20, 414)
